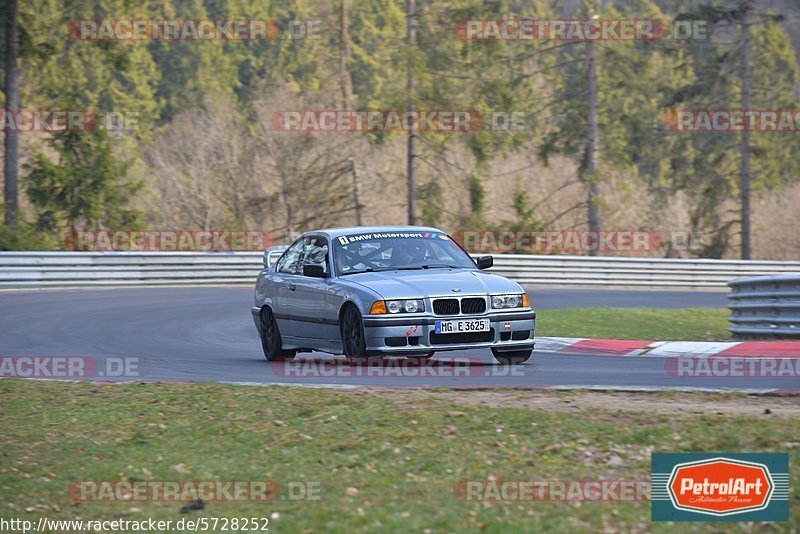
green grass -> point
(688, 324)
(403, 456)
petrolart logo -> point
(720, 487)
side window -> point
(316, 251)
(291, 261)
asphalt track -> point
(206, 334)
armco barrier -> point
(641, 272)
(60, 269)
(65, 269)
(765, 306)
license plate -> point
(463, 325)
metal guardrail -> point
(636, 272)
(765, 306)
(67, 269)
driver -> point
(352, 252)
(408, 252)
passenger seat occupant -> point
(317, 255)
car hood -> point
(434, 283)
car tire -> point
(271, 338)
(354, 344)
(512, 357)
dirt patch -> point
(589, 401)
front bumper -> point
(509, 331)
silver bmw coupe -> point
(400, 290)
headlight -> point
(509, 301)
(405, 306)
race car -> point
(378, 291)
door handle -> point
(292, 287)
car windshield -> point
(358, 253)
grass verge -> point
(687, 324)
(386, 464)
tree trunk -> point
(356, 192)
(344, 56)
(592, 150)
(744, 178)
(12, 104)
(347, 93)
(410, 179)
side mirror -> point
(484, 262)
(313, 270)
